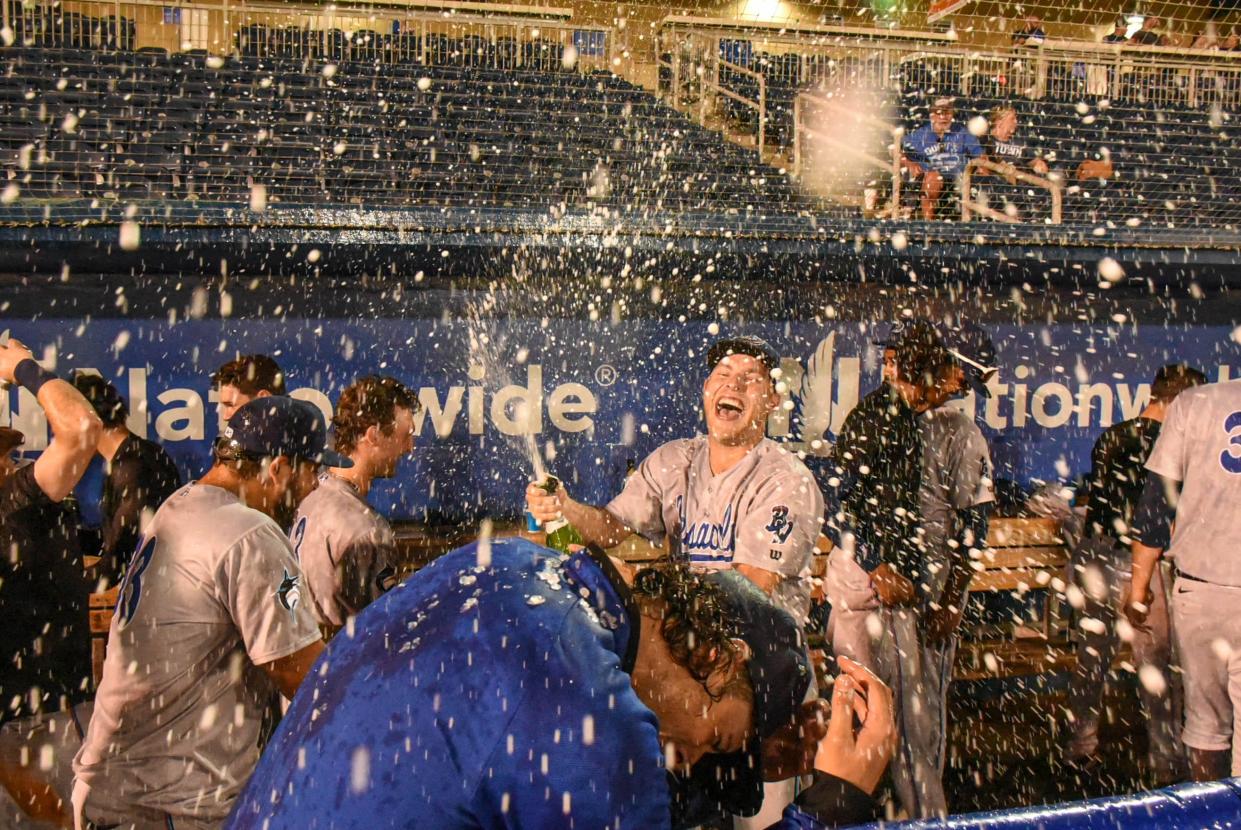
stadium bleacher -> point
(84, 124)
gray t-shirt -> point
(211, 594)
(346, 550)
(765, 511)
(1200, 446)
(956, 475)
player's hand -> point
(939, 624)
(914, 169)
(858, 757)
(893, 588)
(11, 354)
(1137, 608)
(542, 505)
(791, 749)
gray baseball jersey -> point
(956, 475)
(346, 550)
(211, 594)
(1200, 446)
(766, 511)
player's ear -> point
(372, 434)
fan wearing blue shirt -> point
(938, 152)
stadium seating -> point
(81, 124)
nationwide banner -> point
(599, 395)
(943, 8)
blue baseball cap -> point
(279, 425)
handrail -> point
(968, 206)
(783, 28)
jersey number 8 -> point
(130, 593)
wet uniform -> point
(955, 476)
(347, 551)
(765, 511)
(212, 593)
(1199, 446)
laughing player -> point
(729, 499)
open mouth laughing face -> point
(737, 398)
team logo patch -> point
(289, 593)
(780, 526)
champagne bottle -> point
(560, 533)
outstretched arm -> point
(595, 524)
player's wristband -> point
(32, 376)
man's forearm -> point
(595, 524)
(1144, 560)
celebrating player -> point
(1188, 507)
(508, 686)
(208, 626)
(1101, 560)
(729, 499)
(242, 380)
(346, 549)
(885, 581)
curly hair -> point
(371, 401)
(697, 623)
(103, 398)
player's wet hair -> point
(1173, 379)
(696, 624)
(251, 374)
(103, 398)
(371, 401)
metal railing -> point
(698, 76)
(970, 206)
(379, 33)
(1148, 76)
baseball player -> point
(1194, 480)
(1101, 564)
(347, 551)
(208, 627)
(541, 691)
(242, 380)
(903, 622)
(45, 638)
(729, 499)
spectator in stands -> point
(1002, 146)
(1148, 35)
(1032, 34)
(139, 476)
(938, 152)
(45, 674)
(1118, 33)
(242, 380)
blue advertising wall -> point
(598, 394)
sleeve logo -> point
(780, 527)
(289, 593)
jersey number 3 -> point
(130, 593)
(1232, 463)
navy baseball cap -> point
(894, 335)
(279, 425)
(748, 344)
(972, 349)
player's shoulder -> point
(779, 467)
(331, 510)
(209, 520)
(678, 451)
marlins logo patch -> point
(289, 593)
